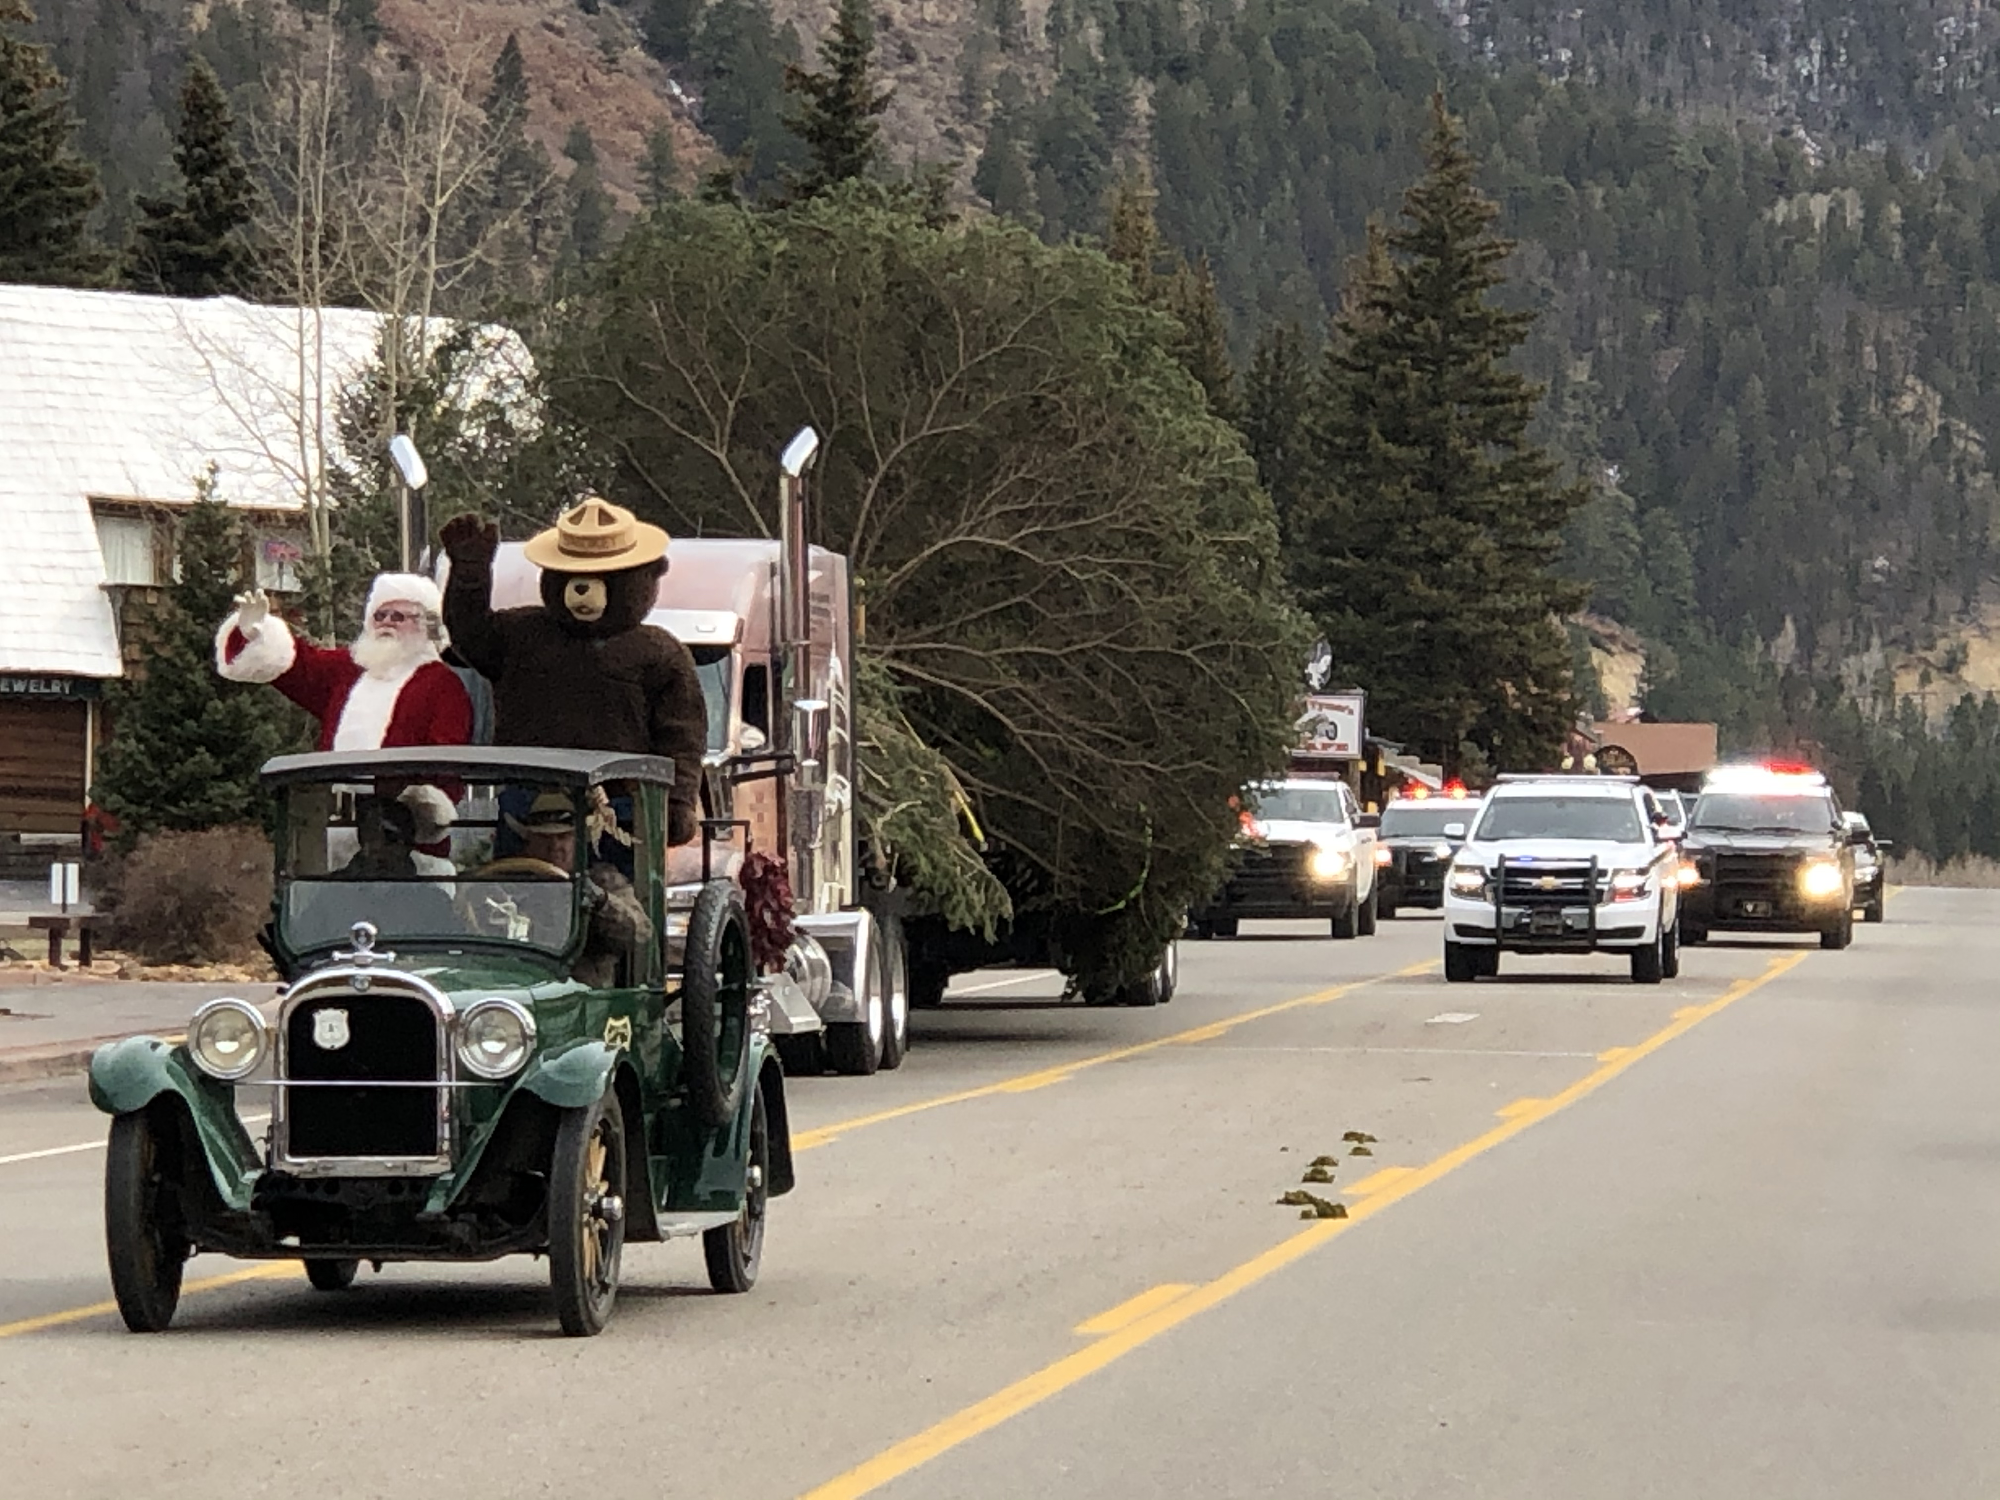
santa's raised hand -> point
(251, 610)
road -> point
(1736, 1235)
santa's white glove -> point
(251, 610)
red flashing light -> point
(1456, 790)
(1417, 792)
(1789, 768)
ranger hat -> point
(595, 536)
(551, 812)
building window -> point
(278, 559)
(131, 548)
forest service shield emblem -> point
(330, 1031)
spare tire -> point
(716, 975)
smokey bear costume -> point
(584, 670)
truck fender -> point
(129, 1075)
(771, 1084)
(572, 1078)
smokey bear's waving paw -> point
(468, 539)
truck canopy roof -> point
(474, 763)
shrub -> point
(1973, 871)
(196, 897)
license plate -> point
(1756, 908)
(1545, 923)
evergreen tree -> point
(197, 244)
(1434, 522)
(659, 169)
(47, 191)
(1277, 399)
(186, 745)
(1166, 281)
(838, 121)
(589, 203)
(668, 27)
(741, 58)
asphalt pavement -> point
(1733, 1235)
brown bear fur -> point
(613, 683)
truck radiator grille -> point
(389, 1039)
(1544, 883)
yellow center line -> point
(807, 1140)
(1051, 1379)
(264, 1272)
(1133, 1309)
(1374, 1182)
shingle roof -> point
(119, 396)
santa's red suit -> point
(409, 698)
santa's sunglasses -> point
(396, 617)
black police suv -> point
(1771, 853)
(1413, 849)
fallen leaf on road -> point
(1317, 1173)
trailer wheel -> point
(928, 980)
(331, 1275)
(895, 956)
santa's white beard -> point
(390, 655)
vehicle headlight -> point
(1630, 885)
(1468, 880)
(1327, 864)
(1384, 855)
(1820, 878)
(1442, 851)
(1689, 874)
(494, 1037)
(227, 1038)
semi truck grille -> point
(371, 1069)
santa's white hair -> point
(388, 653)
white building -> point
(112, 405)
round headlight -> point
(1820, 879)
(1327, 864)
(226, 1039)
(494, 1037)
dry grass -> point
(191, 898)
(1973, 871)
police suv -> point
(1771, 852)
(1565, 864)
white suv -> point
(1565, 864)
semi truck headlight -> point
(227, 1038)
(494, 1037)
(1327, 864)
(1819, 879)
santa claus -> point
(387, 690)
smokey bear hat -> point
(595, 536)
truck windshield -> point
(1300, 804)
(1749, 812)
(1421, 819)
(1610, 820)
(428, 862)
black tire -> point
(896, 969)
(587, 1214)
(734, 1251)
(855, 1047)
(1840, 934)
(1223, 926)
(1201, 931)
(1670, 952)
(803, 1055)
(331, 1275)
(143, 1229)
(1693, 937)
(1346, 923)
(928, 981)
(1487, 962)
(1461, 963)
(1385, 906)
(1367, 915)
(1873, 911)
(1648, 966)
(715, 1004)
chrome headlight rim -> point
(471, 1058)
(199, 1021)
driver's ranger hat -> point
(551, 812)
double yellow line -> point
(1151, 1314)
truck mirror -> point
(809, 726)
(751, 739)
(1454, 830)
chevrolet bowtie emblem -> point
(1547, 882)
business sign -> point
(1333, 724)
(23, 685)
